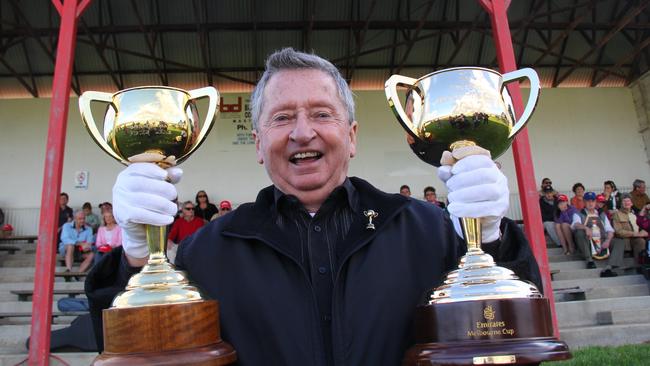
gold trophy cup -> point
(159, 319)
(482, 313)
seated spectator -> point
(563, 219)
(578, 191)
(104, 207)
(185, 225)
(92, 220)
(405, 190)
(639, 197)
(643, 218)
(431, 197)
(547, 205)
(109, 236)
(546, 182)
(601, 206)
(224, 207)
(77, 235)
(204, 209)
(65, 212)
(594, 234)
(627, 229)
(612, 196)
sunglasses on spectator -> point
(189, 208)
(202, 195)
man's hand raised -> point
(477, 188)
(143, 194)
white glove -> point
(477, 188)
(143, 194)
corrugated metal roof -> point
(241, 33)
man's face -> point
(627, 203)
(547, 183)
(80, 219)
(188, 211)
(430, 196)
(580, 191)
(304, 137)
(590, 204)
(405, 192)
(641, 188)
(63, 200)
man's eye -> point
(322, 115)
(280, 118)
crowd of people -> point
(86, 236)
(429, 195)
(598, 226)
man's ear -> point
(258, 147)
(353, 138)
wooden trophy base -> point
(485, 332)
(176, 334)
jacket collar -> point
(257, 220)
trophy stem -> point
(472, 231)
(157, 243)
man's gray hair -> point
(625, 195)
(290, 59)
(186, 202)
(77, 212)
(637, 183)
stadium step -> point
(609, 335)
(585, 313)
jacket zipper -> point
(319, 345)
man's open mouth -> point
(306, 156)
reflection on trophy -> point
(160, 318)
(482, 313)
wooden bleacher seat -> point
(70, 274)
(9, 249)
(27, 314)
(27, 238)
(25, 295)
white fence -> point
(24, 220)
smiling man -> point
(322, 269)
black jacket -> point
(268, 307)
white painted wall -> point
(586, 135)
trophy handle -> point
(531, 75)
(89, 121)
(394, 103)
(213, 95)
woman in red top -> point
(577, 201)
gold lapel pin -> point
(370, 214)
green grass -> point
(632, 355)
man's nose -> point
(303, 130)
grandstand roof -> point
(192, 43)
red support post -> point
(521, 150)
(39, 343)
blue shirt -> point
(70, 235)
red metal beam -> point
(39, 342)
(521, 151)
